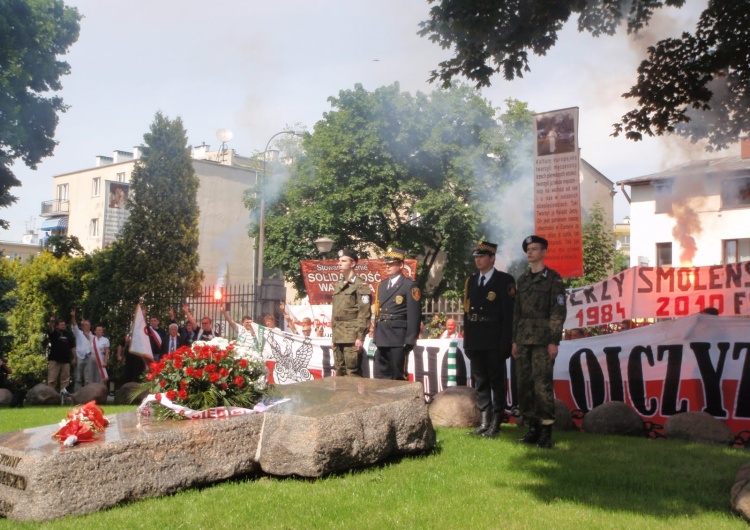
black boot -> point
(484, 425)
(545, 437)
(494, 428)
(532, 436)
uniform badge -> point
(365, 298)
(512, 289)
(399, 300)
(560, 300)
(415, 293)
(491, 296)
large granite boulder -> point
(327, 425)
(613, 417)
(6, 396)
(740, 496)
(698, 427)
(92, 392)
(42, 394)
(124, 395)
(456, 406)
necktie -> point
(171, 345)
(481, 281)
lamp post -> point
(324, 244)
(262, 224)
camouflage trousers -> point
(347, 360)
(536, 397)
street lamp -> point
(324, 244)
(262, 224)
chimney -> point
(121, 156)
(101, 160)
(745, 147)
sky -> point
(258, 67)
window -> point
(663, 254)
(96, 187)
(735, 193)
(121, 177)
(94, 228)
(663, 198)
(735, 250)
(62, 192)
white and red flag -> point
(141, 345)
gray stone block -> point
(456, 406)
(329, 425)
(92, 392)
(698, 427)
(613, 417)
(6, 396)
(42, 394)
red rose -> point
(211, 368)
(198, 373)
(178, 363)
(183, 384)
(239, 381)
(150, 377)
(243, 363)
(163, 383)
(171, 395)
(213, 377)
(224, 372)
(224, 386)
(182, 394)
(189, 371)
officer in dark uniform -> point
(399, 313)
(350, 316)
(538, 319)
(488, 327)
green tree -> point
(7, 300)
(45, 286)
(700, 78)
(33, 33)
(598, 250)
(387, 168)
(157, 253)
(64, 246)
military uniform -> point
(399, 314)
(350, 322)
(488, 321)
(538, 318)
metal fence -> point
(237, 299)
(240, 301)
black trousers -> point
(488, 376)
(390, 363)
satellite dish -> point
(224, 135)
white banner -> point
(698, 363)
(661, 292)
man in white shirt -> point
(101, 355)
(85, 373)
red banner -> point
(321, 275)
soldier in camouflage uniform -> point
(350, 316)
(538, 318)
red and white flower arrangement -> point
(83, 424)
(207, 379)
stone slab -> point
(329, 425)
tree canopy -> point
(33, 33)
(696, 84)
(387, 168)
(157, 252)
(598, 250)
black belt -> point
(473, 317)
(381, 318)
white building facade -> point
(89, 204)
(694, 214)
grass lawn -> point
(586, 481)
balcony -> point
(55, 207)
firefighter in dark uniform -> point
(350, 316)
(488, 327)
(538, 319)
(399, 314)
